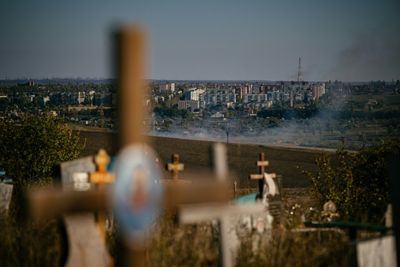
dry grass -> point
(295, 249)
(28, 244)
(176, 245)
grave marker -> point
(269, 186)
(133, 187)
(86, 246)
(261, 163)
(75, 174)
(175, 167)
(100, 178)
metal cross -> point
(100, 178)
(175, 167)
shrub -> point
(357, 182)
(31, 149)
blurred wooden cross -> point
(175, 167)
(100, 178)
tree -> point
(357, 182)
(32, 148)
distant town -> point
(301, 113)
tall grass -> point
(29, 244)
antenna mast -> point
(299, 74)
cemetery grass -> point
(175, 245)
(197, 245)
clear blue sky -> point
(217, 39)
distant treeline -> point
(289, 114)
(170, 112)
(306, 113)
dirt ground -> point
(287, 162)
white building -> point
(194, 94)
(218, 96)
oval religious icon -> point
(137, 190)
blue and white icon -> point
(137, 190)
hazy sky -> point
(217, 39)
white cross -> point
(206, 212)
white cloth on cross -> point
(270, 183)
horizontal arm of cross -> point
(50, 203)
(101, 177)
(175, 167)
(262, 163)
(256, 176)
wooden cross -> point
(175, 167)
(131, 72)
(100, 178)
(261, 163)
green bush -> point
(31, 149)
(357, 182)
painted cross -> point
(175, 167)
(100, 178)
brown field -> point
(287, 162)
